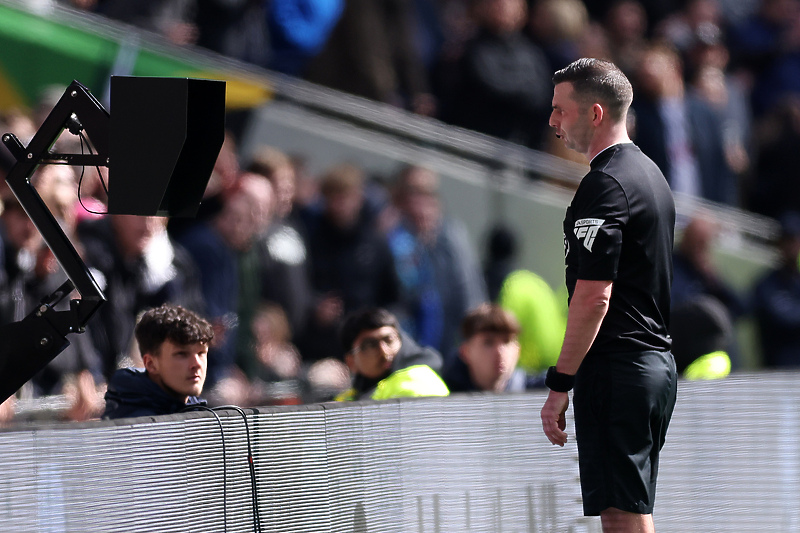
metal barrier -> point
(467, 463)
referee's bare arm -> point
(587, 309)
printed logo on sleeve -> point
(586, 229)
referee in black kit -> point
(618, 235)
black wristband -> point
(558, 382)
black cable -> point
(80, 180)
(224, 462)
(253, 484)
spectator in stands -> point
(775, 187)
(695, 18)
(351, 263)
(702, 330)
(235, 28)
(252, 279)
(229, 275)
(654, 10)
(679, 132)
(728, 99)
(556, 27)
(385, 362)
(694, 271)
(279, 169)
(326, 379)
(777, 300)
(283, 252)
(298, 30)
(170, 18)
(501, 252)
(767, 45)
(277, 374)
(503, 86)
(57, 185)
(173, 342)
(137, 266)
(626, 27)
(457, 28)
(306, 191)
(371, 53)
(488, 355)
(439, 272)
(697, 32)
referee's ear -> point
(598, 114)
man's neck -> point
(603, 140)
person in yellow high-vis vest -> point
(385, 362)
(702, 330)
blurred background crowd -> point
(278, 256)
(716, 81)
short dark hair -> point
(174, 323)
(365, 320)
(597, 80)
(489, 318)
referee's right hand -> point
(553, 420)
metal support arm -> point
(28, 345)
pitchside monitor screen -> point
(165, 137)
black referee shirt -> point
(620, 227)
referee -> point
(618, 236)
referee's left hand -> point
(553, 420)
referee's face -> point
(571, 122)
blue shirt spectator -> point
(298, 29)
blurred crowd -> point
(277, 257)
(275, 260)
(716, 81)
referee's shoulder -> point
(600, 178)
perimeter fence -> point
(467, 463)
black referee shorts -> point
(622, 404)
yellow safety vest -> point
(714, 365)
(541, 319)
(417, 380)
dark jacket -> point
(283, 262)
(354, 264)
(688, 282)
(457, 378)
(504, 88)
(132, 393)
(777, 312)
(704, 128)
